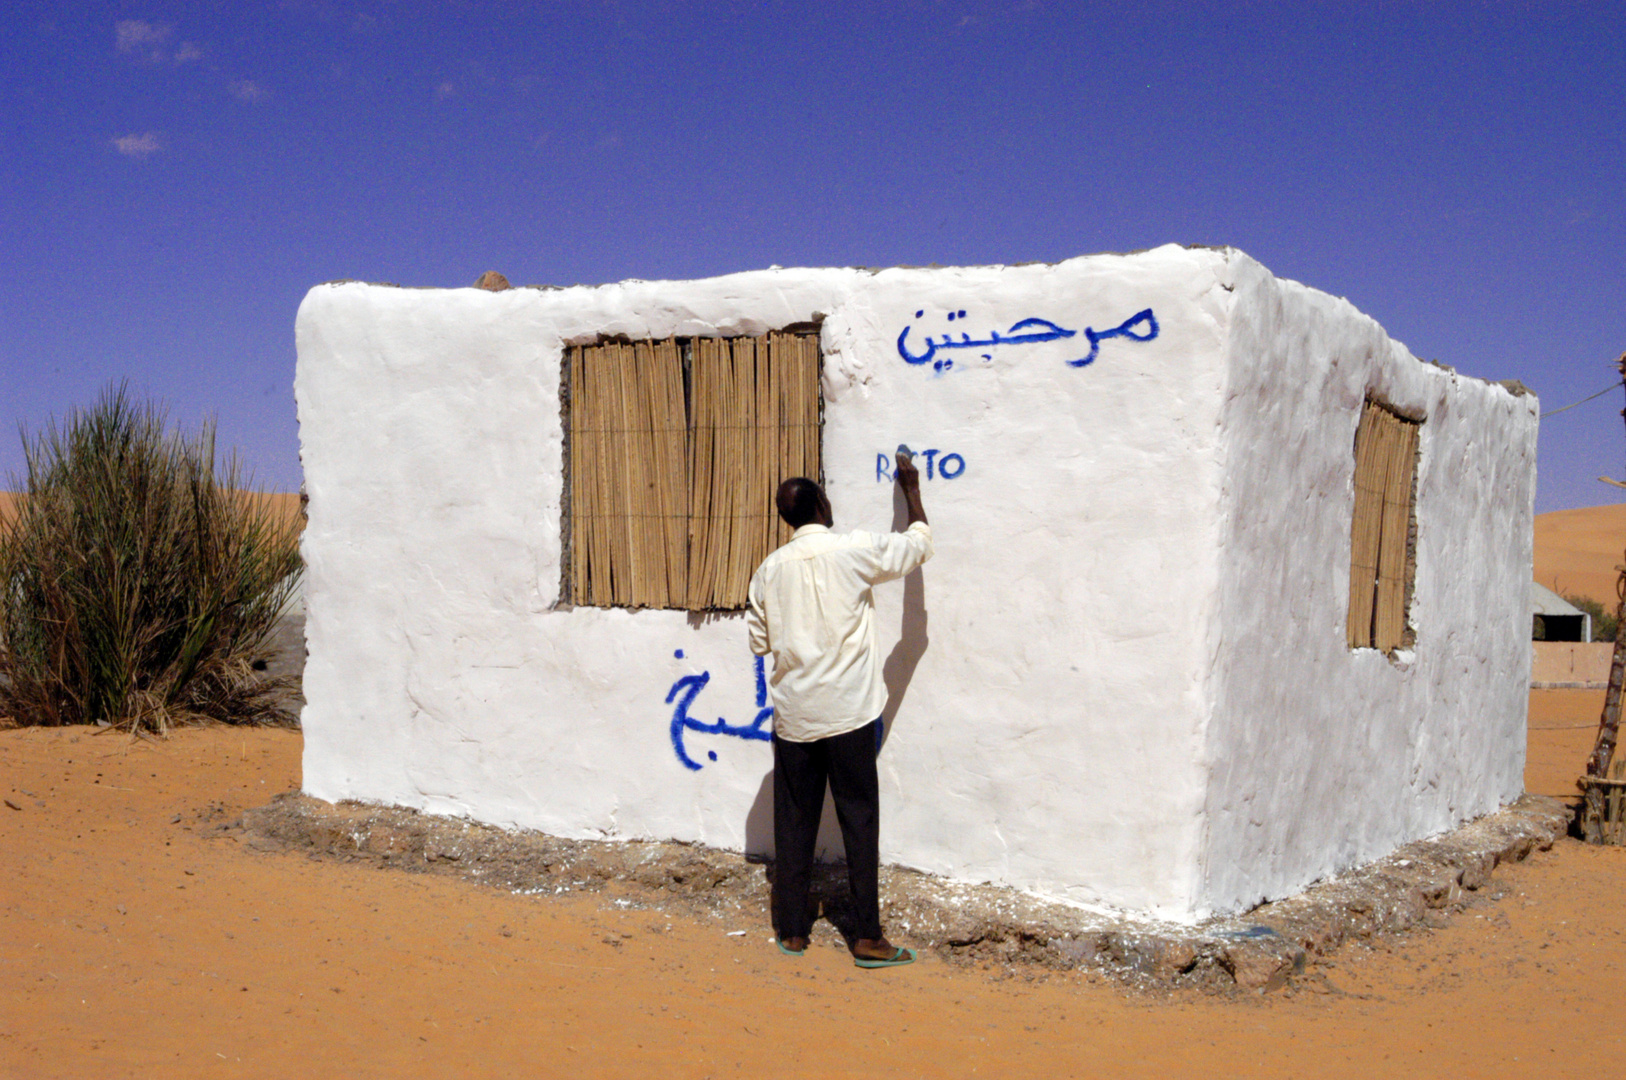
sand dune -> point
(1577, 551)
(278, 503)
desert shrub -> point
(138, 583)
(1603, 620)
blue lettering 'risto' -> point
(1142, 326)
(683, 693)
(946, 467)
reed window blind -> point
(1383, 531)
(676, 449)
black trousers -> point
(800, 771)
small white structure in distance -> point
(1560, 620)
(1229, 592)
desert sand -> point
(143, 940)
(280, 504)
(1577, 551)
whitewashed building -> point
(1230, 590)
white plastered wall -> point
(1050, 669)
(1123, 679)
(1324, 757)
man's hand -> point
(909, 483)
(908, 475)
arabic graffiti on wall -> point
(947, 467)
(682, 695)
(1142, 326)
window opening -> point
(675, 450)
(1383, 531)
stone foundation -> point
(1417, 886)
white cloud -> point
(132, 145)
(139, 36)
(445, 90)
(142, 40)
(247, 90)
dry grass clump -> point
(138, 586)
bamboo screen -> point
(676, 450)
(1382, 562)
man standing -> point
(812, 607)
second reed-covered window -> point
(1383, 531)
(676, 448)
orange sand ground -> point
(136, 946)
(132, 944)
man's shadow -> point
(898, 671)
(830, 895)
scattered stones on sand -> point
(1265, 949)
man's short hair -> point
(798, 500)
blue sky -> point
(175, 176)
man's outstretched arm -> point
(896, 554)
(909, 482)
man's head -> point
(803, 502)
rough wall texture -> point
(1062, 677)
(1324, 757)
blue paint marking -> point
(937, 468)
(678, 654)
(687, 688)
(1250, 932)
(1124, 329)
(1142, 326)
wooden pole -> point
(1603, 751)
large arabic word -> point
(949, 466)
(686, 689)
(1142, 326)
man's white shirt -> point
(812, 608)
